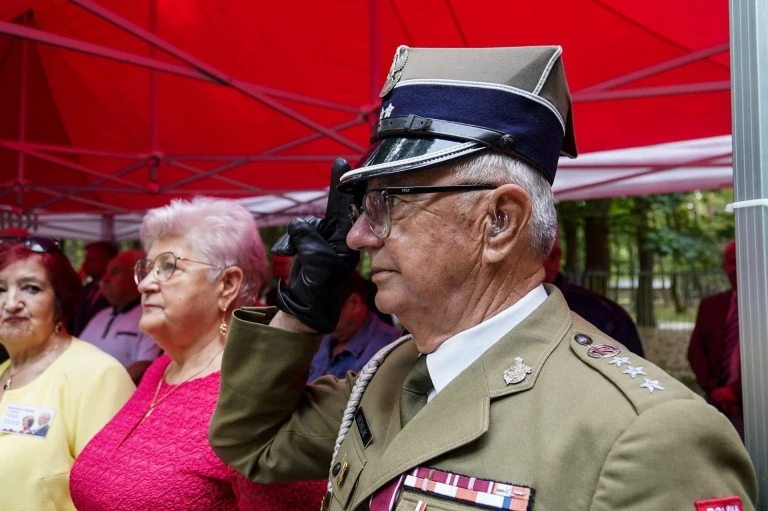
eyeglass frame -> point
(390, 192)
(156, 271)
(42, 245)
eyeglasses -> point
(34, 243)
(377, 203)
(162, 267)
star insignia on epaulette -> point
(619, 361)
(651, 385)
(634, 371)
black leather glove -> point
(323, 260)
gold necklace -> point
(8, 384)
(155, 402)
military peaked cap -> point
(440, 104)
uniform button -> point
(342, 473)
(336, 468)
(583, 339)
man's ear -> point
(229, 286)
(508, 214)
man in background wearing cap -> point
(502, 398)
(115, 329)
(97, 256)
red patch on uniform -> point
(722, 504)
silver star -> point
(387, 111)
(619, 361)
(651, 385)
(634, 371)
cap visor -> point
(401, 154)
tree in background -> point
(648, 240)
(597, 254)
(645, 251)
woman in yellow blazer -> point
(69, 387)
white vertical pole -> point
(749, 92)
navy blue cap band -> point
(534, 132)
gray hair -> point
(498, 168)
(221, 232)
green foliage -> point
(687, 230)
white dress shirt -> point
(456, 353)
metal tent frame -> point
(115, 180)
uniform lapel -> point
(410, 448)
(460, 413)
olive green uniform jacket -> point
(578, 430)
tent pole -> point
(669, 65)
(749, 75)
(650, 92)
(80, 200)
(153, 119)
(93, 186)
(21, 157)
(108, 227)
(25, 149)
(249, 90)
(373, 45)
(650, 169)
(52, 148)
(24, 32)
(68, 43)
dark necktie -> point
(416, 386)
(109, 324)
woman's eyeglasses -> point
(162, 267)
(377, 203)
(34, 243)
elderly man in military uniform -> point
(500, 397)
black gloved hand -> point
(323, 260)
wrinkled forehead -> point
(174, 243)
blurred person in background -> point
(714, 351)
(116, 328)
(281, 270)
(204, 258)
(359, 334)
(72, 387)
(604, 313)
(97, 256)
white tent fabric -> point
(665, 168)
(268, 211)
(700, 164)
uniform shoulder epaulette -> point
(643, 383)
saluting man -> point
(501, 397)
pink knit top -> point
(166, 461)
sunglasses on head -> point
(34, 243)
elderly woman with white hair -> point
(205, 258)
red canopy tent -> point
(115, 107)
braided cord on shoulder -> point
(366, 373)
